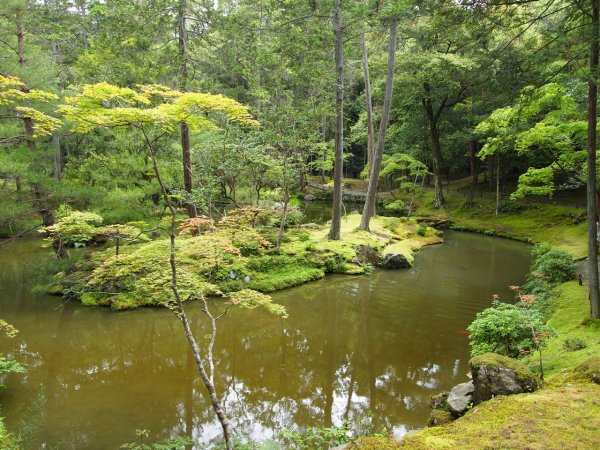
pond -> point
(368, 348)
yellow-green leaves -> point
(15, 95)
(250, 299)
(104, 105)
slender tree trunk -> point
(39, 193)
(181, 315)
(58, 158)
(286, 202)
(497, 184)
(369, 104)
(324, 132)
(592, 211)
(436, 159)
(185, 130)
(371, 200)
(338, 171)
(474, 168)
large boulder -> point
(461, 398)
(395, 261)
(495, 374)
(366, 254)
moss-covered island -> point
(239, 253)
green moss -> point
(570, 319)
(541, 420)
(374, 443)
(439, 417)
(283, 277)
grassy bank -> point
(561, 226)
(233, 258)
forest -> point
(273, 224)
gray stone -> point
(309, 197)
(395, 261)
(460, 398)
(366, 254)
(247, 278)
(492, 381)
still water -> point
(352, 346)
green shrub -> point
(574, 344)
(421, 231)
(77, 228)
(395, 206)
(509, 207)
(7, 441)
(316, 439)
(505, 329)
(489, 232)
(555, 266)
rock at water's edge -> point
(395, 261)
(366, 254)
(500, 375)
(460, 398)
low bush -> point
(505, 329)
(555, 266)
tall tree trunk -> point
(592, 211)
(324, 133)
(474, 169)
(39, 193)
(369, 104)
(286, 202)
(185, 130)
(497, 184)
(338, 171)
(371, 200)
(58, 157)
(436, 158)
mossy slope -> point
(552, 418)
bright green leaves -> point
(250, 299)
(15, 96)
(104, 105)
(76, 228)
(546, 127)
(535, 182)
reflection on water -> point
(383, 343)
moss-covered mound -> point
(374, 443)
(231, 258)
(552, 418)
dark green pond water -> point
(383, 343)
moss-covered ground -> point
(233, 258)
(561, 226)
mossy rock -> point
(495, 374)
(589, 370)
(55, 289)
(374, 443)
(439, 417)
